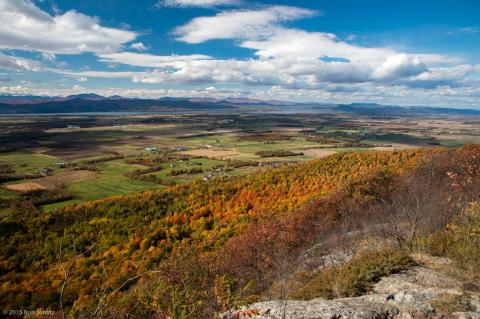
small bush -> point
(191, 171)
(460, 241)
(168, 301)
(277, 153)
(447, 304)
(356, 277)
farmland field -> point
(80, 158)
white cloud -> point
(24, 26)
(138, 46)
(213, 71)
(294, 43)
(77, 88)
(197, 3)
(444, 76)
(12, 63)
(399, 66)
(455, 72)
(299, 70)
(149, 60)
(15, 90)
(239, 24)
(290, 57)
(99, 74)
(470, 30)
(48, 56)
(288, 62)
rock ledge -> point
(405, 295)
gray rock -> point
(403, 295)
(355, 308)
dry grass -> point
(66, 177)
(356, 277)
(51, 182)
(25, 187)
(447, 304)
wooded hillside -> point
(123, 236)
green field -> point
(92, 149)
(27, 162)
(110, 182)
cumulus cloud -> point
(197, 3)
(77, 88)
(452, 76)
(252, 72)
(239, 24)
(294, 43)
(138, 46)
(24, 26)
(289, 70)
(12, 63)
(399, 66)
(290, 57)
(296, 65)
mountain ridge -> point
(90, 102)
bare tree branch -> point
(67, 271)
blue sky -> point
(400, 52)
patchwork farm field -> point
(52, 162)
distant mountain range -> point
(88, 103)
(390, 110)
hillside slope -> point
(413, 253)
(120, 231)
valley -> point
(86, 157)
(139, 199)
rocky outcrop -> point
(417, 293)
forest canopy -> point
(114, 234)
